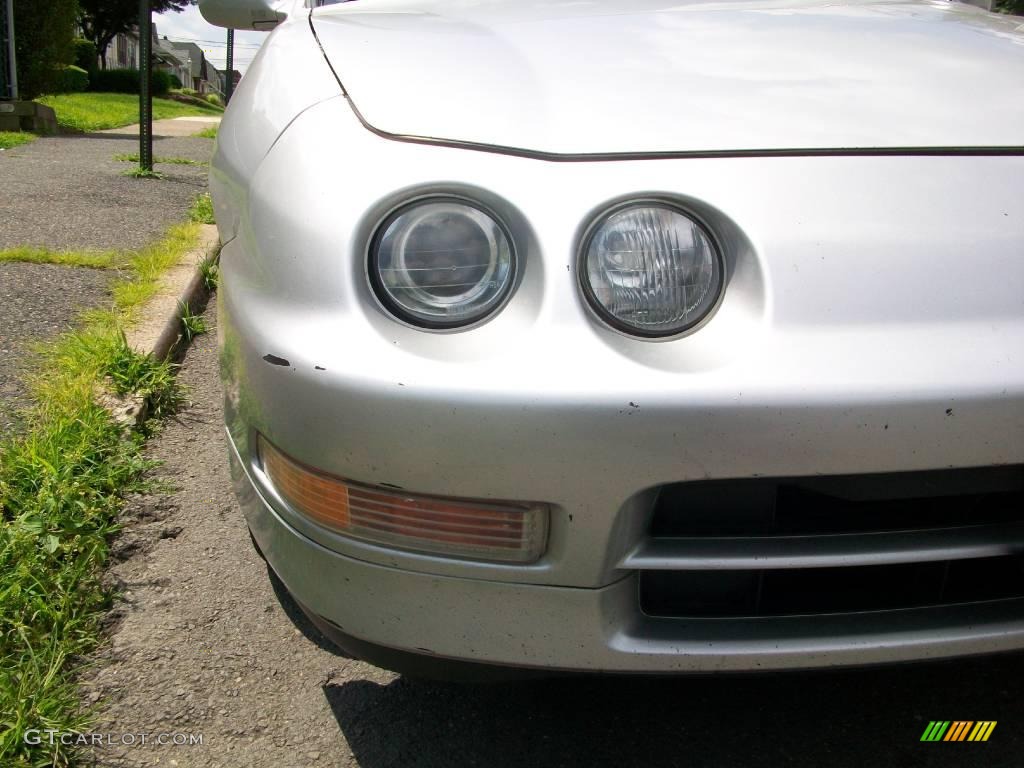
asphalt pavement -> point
(65, 192)
(202, 645)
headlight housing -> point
(442, 263)
(651, 270)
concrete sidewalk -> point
(69, 193)
(173, 127)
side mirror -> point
(261, 15)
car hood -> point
(641, 76)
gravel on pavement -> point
(201, 645)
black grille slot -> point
(945, 537)
(840, 504)
(801, 591)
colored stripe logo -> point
(958, 730)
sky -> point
(190, 27)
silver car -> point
(633, 336)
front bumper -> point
(871, 323)
(592, 630)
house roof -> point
(193, 52)
(166, 52)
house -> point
(172, 61)
(122, 52)
(203, 76)
(216, 80)
(186, 61)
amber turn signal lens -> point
(515, 533)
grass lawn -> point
(98, 111)
(202, 209)
(10, 139)
(94, 259)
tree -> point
(103, 20)
(42, 43)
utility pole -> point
(145, 82)
(8, 64)
(229, 87)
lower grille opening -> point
(703, 535)
(801, 591)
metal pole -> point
(229, 87)
(11, 59)
(145, 80)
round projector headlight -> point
(441, 263)
(650, 270)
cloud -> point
(190, 26)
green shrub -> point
(44, 32)
(85, 54)
(175, 82)
(161, 82)
(127, 81)
(213, 98)
(71, 79)
(115, 81)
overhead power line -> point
(210, 42)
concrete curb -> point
(159, 326)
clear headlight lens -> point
(442, 263)
(650, 270)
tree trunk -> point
(102, 43)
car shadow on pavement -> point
(296, 616)
(872, 716)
